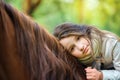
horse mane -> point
(29, 52)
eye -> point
(71, 48)
(78, 37)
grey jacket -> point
(111, 56)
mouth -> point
(85, 50)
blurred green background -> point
(104, 14)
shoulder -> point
(108, 44)
(117, 47)
(109, 40)
(109, 34)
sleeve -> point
(114, 74)
(111, 74)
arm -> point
(107, 74)
(114, 74)
(111, 74)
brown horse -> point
(29, 52)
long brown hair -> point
(29, 52)
(67, 29)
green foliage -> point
(104, 14)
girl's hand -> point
(93, 74)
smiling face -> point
(79, 47)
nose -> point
(80, 47)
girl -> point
(99, 50)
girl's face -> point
(79, 47)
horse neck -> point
(10, 63)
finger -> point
(89, 70)
(90, 74)
(90, 77)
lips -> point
(85, 50)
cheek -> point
(89, 51)
(77, 53)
